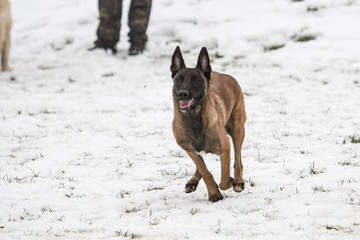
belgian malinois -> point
(208, 106)
(5, 27)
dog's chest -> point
(198, 139)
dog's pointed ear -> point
(204, 63)
(177, 62)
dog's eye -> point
(179, 81)
(196, 81)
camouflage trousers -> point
(110, 21)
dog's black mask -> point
(190, 84)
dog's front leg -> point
(212, 187)
(226, 180)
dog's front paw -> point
(238, 187)
(216, 197)
(191, 187)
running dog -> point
(208, 106)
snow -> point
(86, 146)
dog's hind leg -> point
(192, 184)
(236, 129)
(226, 181)
(238, 138)
(212, 187)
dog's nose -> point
(183, 94)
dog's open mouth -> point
(184, 104)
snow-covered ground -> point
(86, 146)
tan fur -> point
(222, 113)
(5, 28)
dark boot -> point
(99, 45)
(136, 47)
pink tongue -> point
(185, 103)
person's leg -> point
(138, 21)
(108, 32)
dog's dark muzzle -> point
(185, 99)
(183, 94)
